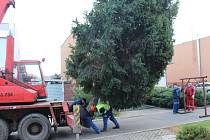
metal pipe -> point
(9, 57)
(198, 56)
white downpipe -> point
(198, 56)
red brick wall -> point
(185, 61)
(205, 57)
(68, 91)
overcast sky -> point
(43, 25)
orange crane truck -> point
(23, 107)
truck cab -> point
(29, 72)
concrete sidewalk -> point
(157, 118)
(167, 115)
(159, 134)
(151, 124)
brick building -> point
(65, 52)
(191, 59)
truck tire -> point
(4, 130)
(34, 127)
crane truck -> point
(22, 93)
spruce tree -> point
(123, 48)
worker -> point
(106, 111)
(82, 102)
(190, 95)
(176, 98)
(86, 118)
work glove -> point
(102, 111)
(110, 109)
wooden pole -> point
(77, 136)
(184, 96)
(204, 97)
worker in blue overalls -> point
(106, 111)
(86, 117)
(176, 98)
(81, 102)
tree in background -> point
(123, 48)
(56, 76)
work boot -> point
(103, 130)
(116, 127)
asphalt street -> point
(134, 125)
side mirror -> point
(43, 59)
(12, 2)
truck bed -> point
(43, 104)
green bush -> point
(79, 93)
(162, 97)
(208, 99)
(193, 133)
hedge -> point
(159, 97)
(162, 97)
(193, 133)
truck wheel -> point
(34, 127)
(4, 130)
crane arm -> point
(4, 4)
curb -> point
(127, 133)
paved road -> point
(134, 125)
